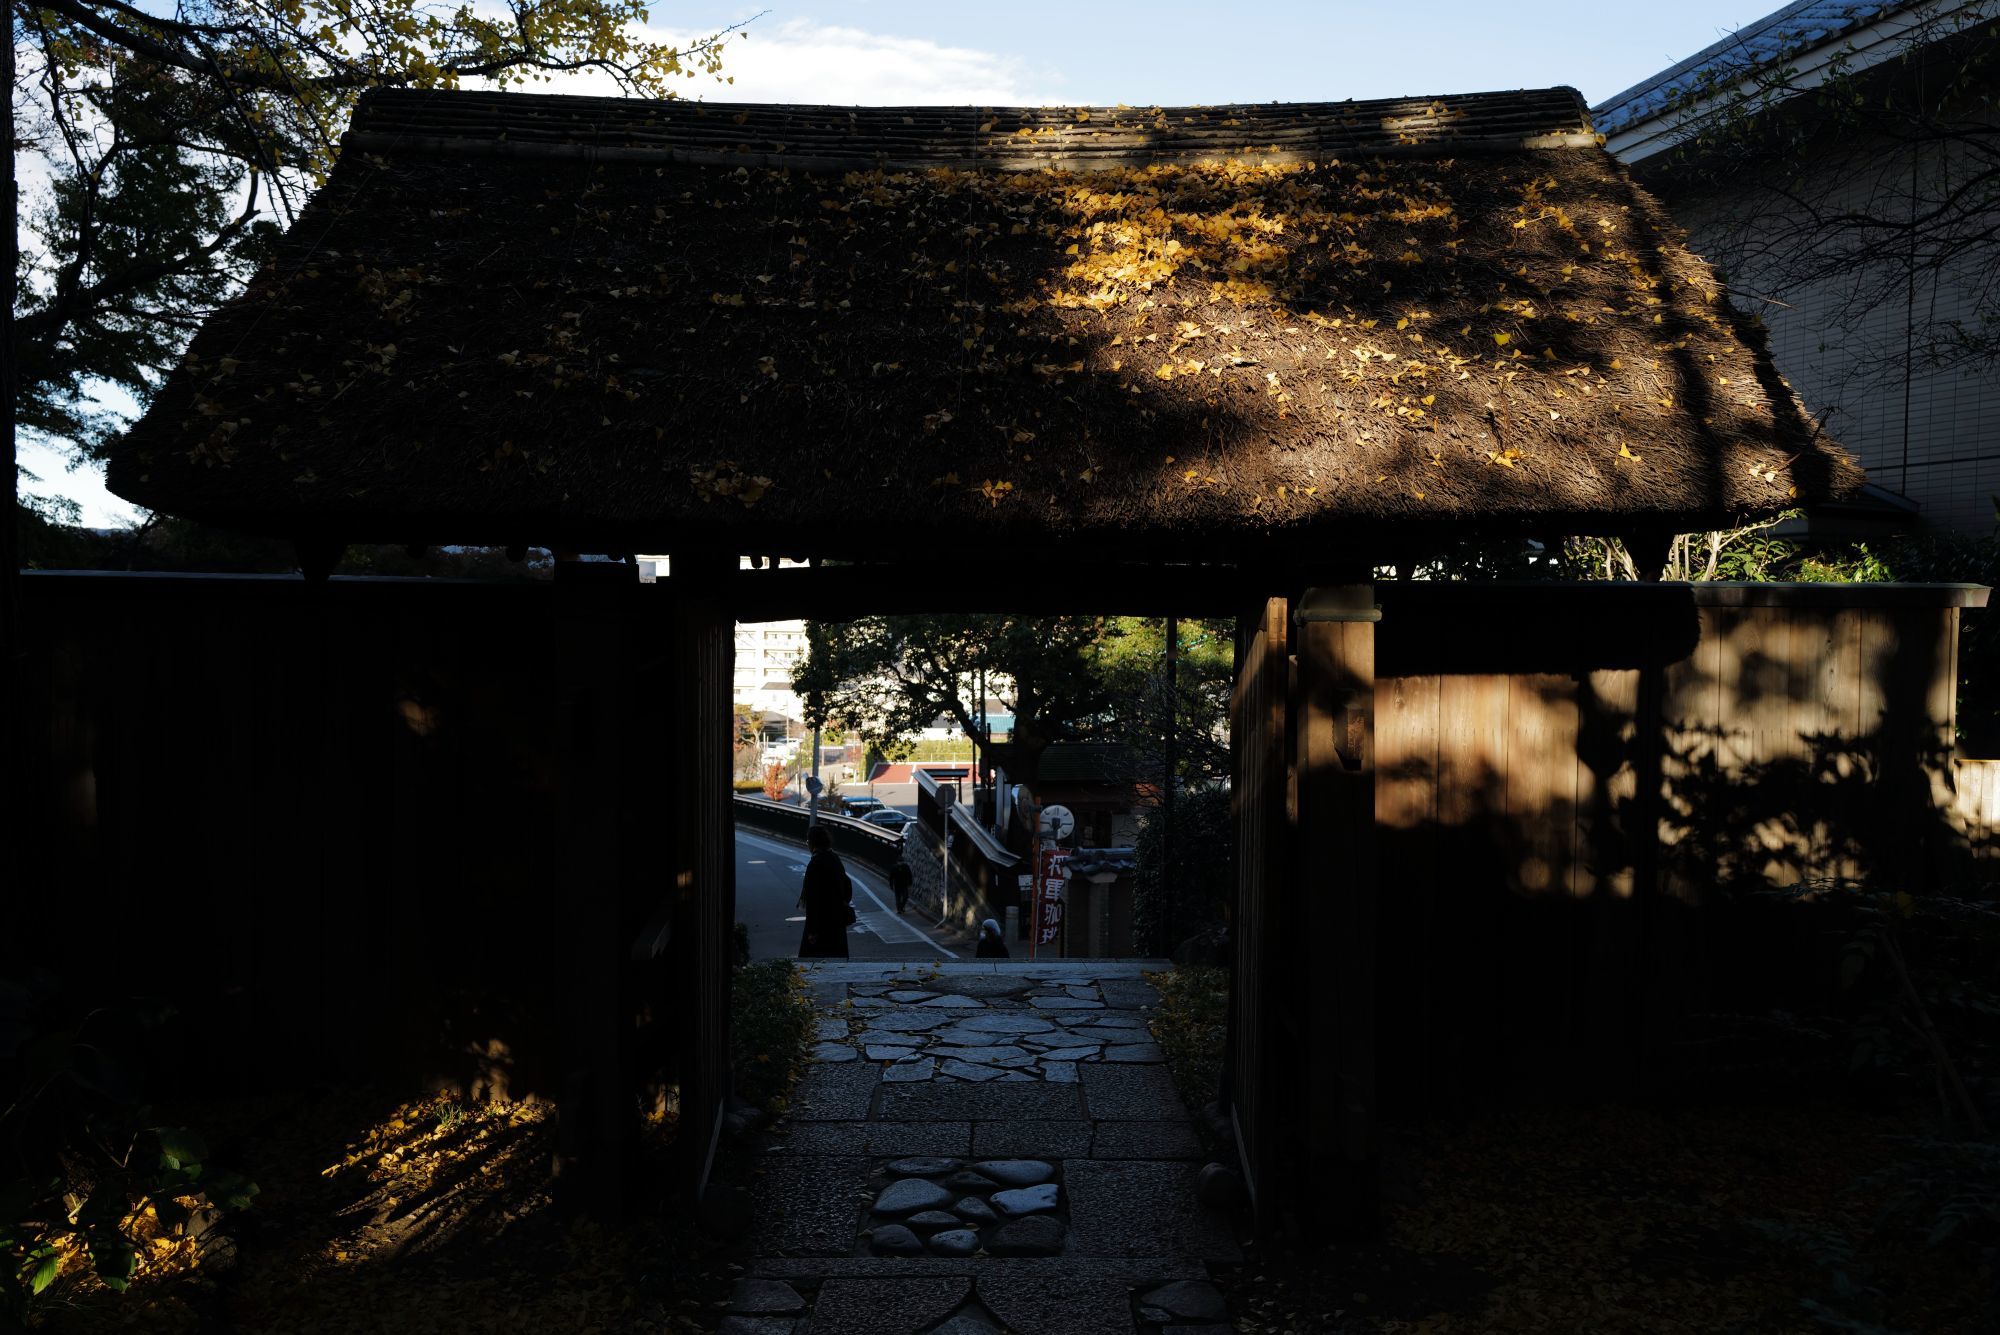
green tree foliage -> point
(888, 677)
(175, 139)
(1182, 724)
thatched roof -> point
(621, 325)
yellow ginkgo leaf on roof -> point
(1502, 339)
(1625, 452)
(1166, 371)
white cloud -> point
(803, 61)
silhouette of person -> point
(899, 881)
(992, 945)
(825, 896)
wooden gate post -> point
(1337, 896)
(1260, 1056)
(596, 1130)
(700, 871)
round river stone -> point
(955, 1242)
(1026, 1200)
(895, 1240)
(1016, 1172)
(932, 1219)
(974, 1209)
(910, 1195)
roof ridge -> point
(818, 135)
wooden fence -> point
(1580, 808)
(455, 834)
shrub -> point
(770, 1030)
(1191, 1026)
(89, 1180)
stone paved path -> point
(983, 1148)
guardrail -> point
(871, 844)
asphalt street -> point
(768, 875)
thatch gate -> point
(1172, 360)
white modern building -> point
(765, 654)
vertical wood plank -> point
(1263, 809)
(1337, 802)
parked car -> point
(860, 806)
(889, 819)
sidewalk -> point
(978, 1148)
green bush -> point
(1191, 1027)
(770, 1031)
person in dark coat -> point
(992, 945)
(899, 881)
(825, 897)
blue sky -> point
(1100, 51)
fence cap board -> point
(1713, 593)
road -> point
(768, 874)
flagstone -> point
(1005, 1024)
(915, 1021)
(1135, 1052)
(1000, 1054)
(1076, 1054)
(964, 1070)
(904, 1072)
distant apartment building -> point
(1852, 338)
(766, 652)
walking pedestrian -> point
(992, 945)
(899, 881)
(825, 897)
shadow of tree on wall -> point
(1576, 813)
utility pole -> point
(813, 785)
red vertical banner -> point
(1051, 880)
